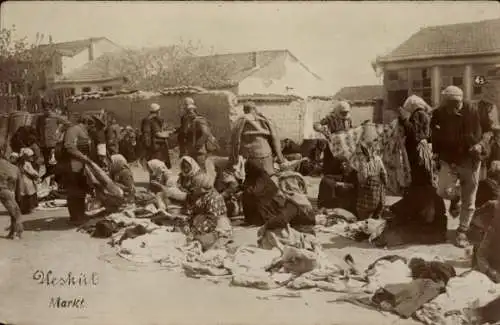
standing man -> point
(113, 133)
(97, 132)
(75, 154)
(47, 128)
(338, 120)
(9, 178)
(255, 138)
(460, 136)
(195, 136)
(154, 137)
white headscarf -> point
(195, 168)
(340, 107)
(27, 152)
(415, 102)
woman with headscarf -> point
(229, 182)
(372, 176)
(121, 174)
(208, 221)
(338, 120)
(27, 193)
(421, 210)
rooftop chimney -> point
(255, 63)
(91, 50)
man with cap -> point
(255, 138)
(195, 136)
(338, 120)
(154, 137)
(47, 126)
(97, 133)
(460, 137)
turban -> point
(453, 93)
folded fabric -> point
(408, 298)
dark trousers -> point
(49, 169)
(76, 207)
(161, 153)
(8, 199)
(77, 188)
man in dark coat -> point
(460, 137)
(154, 137)
(195, 134)
(47, 132)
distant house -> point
(70, 57)
(365, 101)
(264, 72)
(466, 55)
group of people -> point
(446, 149)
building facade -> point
(465, 55)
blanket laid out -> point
(389, 145)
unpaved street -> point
(125, 293)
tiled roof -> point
(482, 37)
(267, 98)
(69, 48)
(359, 93)
(182, 90)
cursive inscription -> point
(58, 302)
(70, 279)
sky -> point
(336, 40)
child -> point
(27, 193)
(229, 184)
(372, 177)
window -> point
(107, 88)
(458, 81)
(478, 90)
(422, 83)
(72, 91)
(392, 75)
(86, 90)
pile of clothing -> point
(390, 146)
(343, 223)
(464, 294)
(401, 285)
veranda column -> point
(468, 82)
(436, 85)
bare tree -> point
(24, 66)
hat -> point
(154, 108)
(249, 105)
(453, 93)
(189, 101)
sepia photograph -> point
(249, 163)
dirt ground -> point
(136, 294)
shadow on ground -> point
(47, 224)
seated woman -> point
(122, 175)
(339, 191)
(162, 184)
(206, 208)
(264, 202)
(229, 183)
(27, 192)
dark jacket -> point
(454, 134)
(151, 125)
(193, 135)
(46, 128)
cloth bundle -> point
(389, 142)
